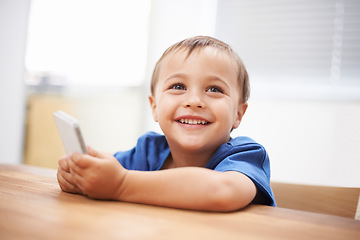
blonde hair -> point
(199, 42)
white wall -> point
(13, 28)
(308, 141)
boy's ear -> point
(153, 107)
(241, 111)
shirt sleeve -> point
(149, 153)
(252, 160)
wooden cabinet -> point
(43, 145)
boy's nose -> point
(194, 100)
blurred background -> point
(94, 59)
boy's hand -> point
(64, 177)
(97, 175)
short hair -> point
(198, 42)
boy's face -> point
(197, 99)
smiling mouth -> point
(193, 121)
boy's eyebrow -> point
(184, 75)
(175, 75)
(222, 80)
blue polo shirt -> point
(241, 154)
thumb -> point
(98, 154)
(94, 153)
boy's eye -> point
(215, 89)
(177, 86)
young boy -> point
(199, 93)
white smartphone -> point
(70, 133)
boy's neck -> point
(178, 158)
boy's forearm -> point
(189, 188)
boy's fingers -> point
(79, 184)
(81, 160)
(77, 179)
(63, 163)
(97, 154)
(64, 184)
(79, 163)
(75, 169)
(92, 152)
(66, 175)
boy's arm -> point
(195, 188)
(190, 188)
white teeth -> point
(193, 121)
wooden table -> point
(32, 206)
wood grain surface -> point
(32, 206)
